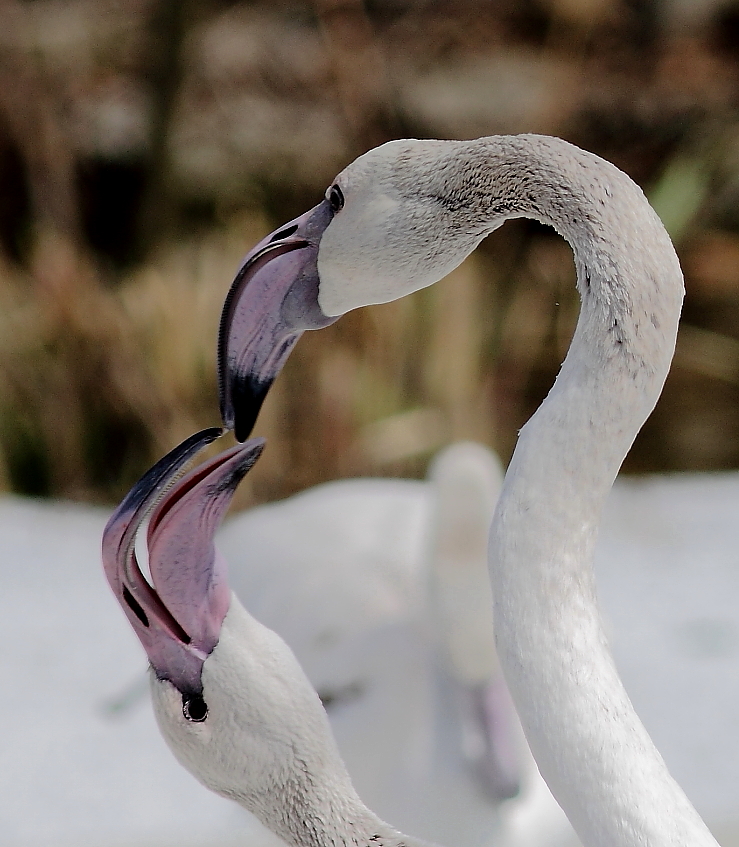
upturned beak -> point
(178, 616)
(272, 300)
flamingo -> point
(399, 218)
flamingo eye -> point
(194, 708)
(336, 199)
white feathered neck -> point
(413, 211)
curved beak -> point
(178, 616)
(272, 300)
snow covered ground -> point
(82, 763)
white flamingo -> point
(399, 218)
(229, 696)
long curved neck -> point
(588, 742)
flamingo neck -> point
(590, 746)
(323, 823)
(324, 814)
(267, 743)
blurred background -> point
(146, 145)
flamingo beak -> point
(272, 300)
(178, 616)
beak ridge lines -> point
(178, 615)
(272, 300)
(188, 575)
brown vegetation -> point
(146, 145)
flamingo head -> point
(397, 219)
(229, 696)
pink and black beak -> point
(272, 301)
(178, 616)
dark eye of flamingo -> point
(336, 199)
(194, 708)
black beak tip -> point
(241, 409)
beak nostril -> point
(135, 606)
(194, 708)
(284, 233)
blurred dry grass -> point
(150, 167)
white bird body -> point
(397, 219)
(380, 587)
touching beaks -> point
(272, 300)
(178, 616)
